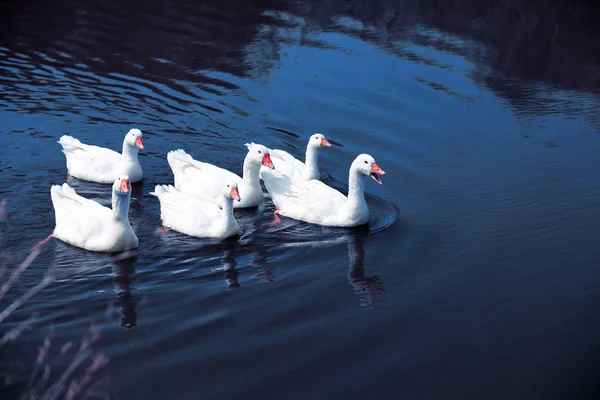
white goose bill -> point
(375, 177)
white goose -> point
(205, 181)
(297, 170)
(87, 224)
(315, 202)
(195, 217)
(102, 165)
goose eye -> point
(227, 185)
(259, 152)
(366, 162)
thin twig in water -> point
(14, 333)
(56, 389)
(42, 383)
(82, 354)
(23, 299)
(42, 353)
(68, 386)
(18, 271)
(75, 388)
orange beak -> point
(325, 143)
(267, 161)
(124, 185)
(139, 142)
(375, 172)
(234, 193)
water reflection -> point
(85, 269)
(521, 50)
(265, 272)
(258, 258)
(228, 262)
(95, 64)
(123, 269)
(368, 288)
(79, 60)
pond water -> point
(478, 274)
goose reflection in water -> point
(258, 259)
(228, 262)
(368, 288)
(123, 269)
(73, 264)
(252, 221)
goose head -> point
(134, 138)
(366, 165)
(259, 154)
(317, 141)
(230, 191)
(122, 186)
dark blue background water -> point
(485, 116)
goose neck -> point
(120, 207)
(311, 167)
(129, 153)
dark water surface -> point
(478, 276)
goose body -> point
(297, 170)
(205, 181)
(102, 165)
(315, 202)
(195, 217)
(89, 225)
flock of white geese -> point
(201, 201)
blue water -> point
(477, 276)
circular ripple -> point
(383, 215)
